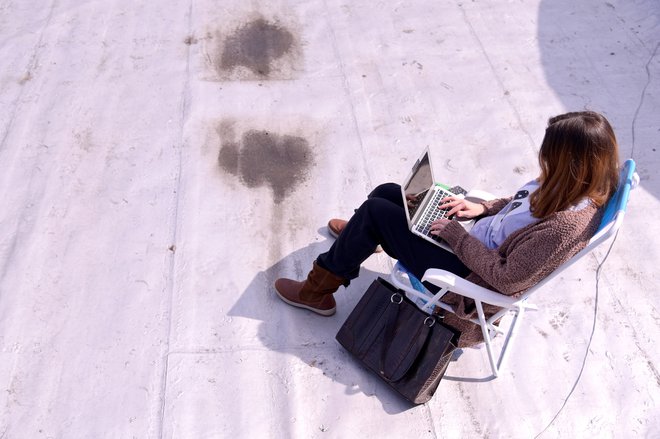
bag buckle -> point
(392, 299)
(429, 321)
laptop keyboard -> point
(432, 214)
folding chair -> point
(400, 277)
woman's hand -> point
(461, 208)
(438, 226)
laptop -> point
(421, 198)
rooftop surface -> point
(160, 169)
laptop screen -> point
(418, 184)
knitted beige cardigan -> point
(524, 258)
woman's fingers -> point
(454, 205)
(438, 225)
(457, 210)
(461, 207)
(449, 202)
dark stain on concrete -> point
(256, 46)
(190, 40)
(262, 158)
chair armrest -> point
(458, 285)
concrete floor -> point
(160, 170)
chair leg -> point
(509, 336)
(486, 334)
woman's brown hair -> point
(579, 159)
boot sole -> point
(323, 312)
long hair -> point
(579, 159)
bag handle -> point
(395, 363)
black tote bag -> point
(407, 348)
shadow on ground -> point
(310, 337)
(592, 63)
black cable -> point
(600, 266)
(593, 330)
(641, 100)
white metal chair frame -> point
(447, 281)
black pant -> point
(382, 220)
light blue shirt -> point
(493, 230)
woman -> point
(516, 241)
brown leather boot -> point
(335, 226)
(314, 293)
